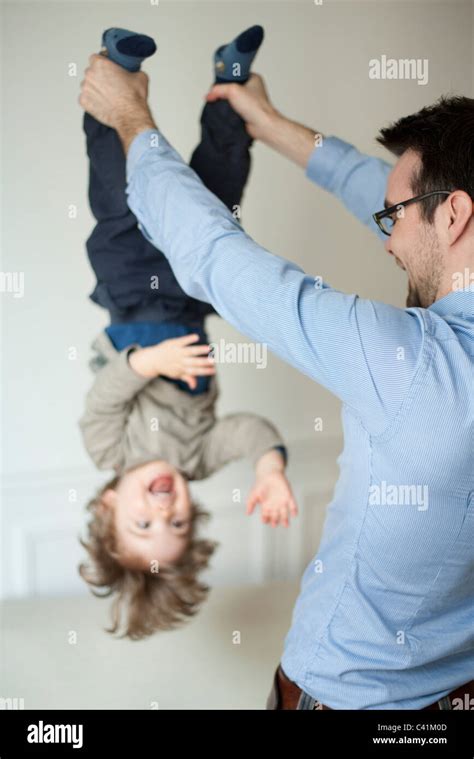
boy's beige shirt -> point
(130, 420)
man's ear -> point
(109, 498)
(460, 209)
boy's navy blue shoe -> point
(127, 48)
(232, 62)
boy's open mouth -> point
(162, 484)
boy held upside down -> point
(150, 413)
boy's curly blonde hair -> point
(145, 601)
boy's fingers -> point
(199, 361)
(186, 339)
(197, 350)
(284, 517)
(191, 381)
(293, 507)
(252, 502)
(197, 371)
(267, 516)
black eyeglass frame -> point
(377, 217)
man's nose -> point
(387, 246)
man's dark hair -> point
(443, 135)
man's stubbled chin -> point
(413, 299)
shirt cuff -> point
(284, 452)
(149, 138)
(325, 160)
(269, 441)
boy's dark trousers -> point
(126, 265)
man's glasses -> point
(386, 219)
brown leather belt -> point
(287, 695)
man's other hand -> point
(111, 94)
(250, 101)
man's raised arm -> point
(345, 343)
(357, 180)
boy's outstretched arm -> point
(245, 435)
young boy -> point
(150, 414)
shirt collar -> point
(456, 303)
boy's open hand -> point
(273, 492)
(176, 358)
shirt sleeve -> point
(359, 181)
(237, 436)
(107, 408)
(365, 352)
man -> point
(385, 614)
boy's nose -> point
(165, 504)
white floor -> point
(196, 667)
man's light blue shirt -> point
(385, 615)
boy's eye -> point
(143, 525)
(180, 524)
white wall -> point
(315, 60)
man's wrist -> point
(271, 123)
(291, 139)
(134, 120)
